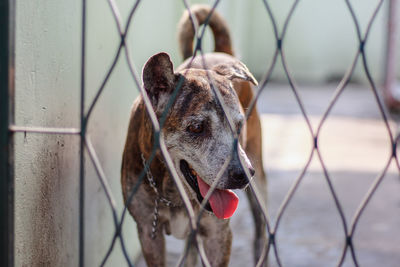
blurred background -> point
(320, 45)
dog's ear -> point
(158, 79)
(235, 70)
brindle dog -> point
(199, 139)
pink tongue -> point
(222, 202)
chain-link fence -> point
(272, 224)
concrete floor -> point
(355, 147)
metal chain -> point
(155, 219)
(158, 199)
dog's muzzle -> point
(222, 202)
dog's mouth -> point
(222, 202)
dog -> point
(199, 139)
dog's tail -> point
(218, 26)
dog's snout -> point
(236, 172)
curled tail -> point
(218, 26)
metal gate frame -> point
(7, 31)
(8, 129)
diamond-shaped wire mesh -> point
(123, 53)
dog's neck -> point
(146, 133)
(140, 142)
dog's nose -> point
(238, 175)
(238, 178)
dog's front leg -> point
(191, 258)
(153, 249)
(217, 237)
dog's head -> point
(196, 132)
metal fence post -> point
(6, 141)
(82, 144)
(390, 79)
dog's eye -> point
(196, 128)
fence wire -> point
(123, 51)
